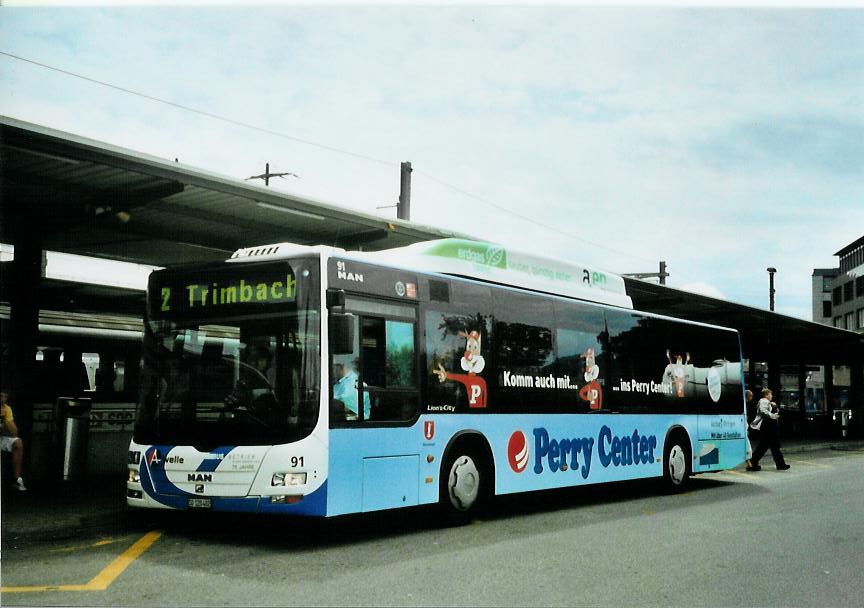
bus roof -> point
(479, 260)
(496, 264)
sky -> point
(720, 140)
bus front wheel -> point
(676, 463)
(463, 485)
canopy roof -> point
(765, 335)
(82, 196)
(87, 197)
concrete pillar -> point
(27, 271)
(856, 400)
(774, 377)
(829, 394)
(802, 399)
(752, 384)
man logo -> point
(517, 452)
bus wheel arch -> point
(467, 476)
(677, 459)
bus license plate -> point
(200, 503)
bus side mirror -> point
(341, 333)
(336, 298)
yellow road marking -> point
(811, 464)
(101, 543)
(103, 580)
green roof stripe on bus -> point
(470, 251)
(495, 263)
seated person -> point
(345, 390)
(255, 386)
(9, 441)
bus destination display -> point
(221, 292)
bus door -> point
(375, 393)
(381, 371)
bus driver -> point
(345, 390)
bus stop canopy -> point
(765, 335)
(81, 196)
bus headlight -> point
(288, 479)
(134, 476)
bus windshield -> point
(240, 367)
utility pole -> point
(403, 209)
(267, 175)
(771, 270)
(644, 275)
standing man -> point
(767, 423)
(9, 440)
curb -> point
(816, 447)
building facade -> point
(822, 290)
(846, 308)
(838, 300)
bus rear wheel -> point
(676, 463)
(464, 480)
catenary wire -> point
(329, 148)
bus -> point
(319, 382)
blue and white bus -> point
(313, 381)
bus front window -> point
(231, 356)
(250, 382)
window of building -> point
(837, 296)
(852, 259)
(859, 286)
(847, 291)
(826, 284)
(861, 318)
(850, 320)
(815, 400)
(826, 309)
(839, 322)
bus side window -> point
(372, 351)
(399, 361)
(580, 359)
(343, 380)
(389, 372)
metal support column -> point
(27, 270)
(856, 399)
(774, 378)
(802, 400)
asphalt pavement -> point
(68, 509)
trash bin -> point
(72, 430)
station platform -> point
(97, 507)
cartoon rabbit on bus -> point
(473, 363)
